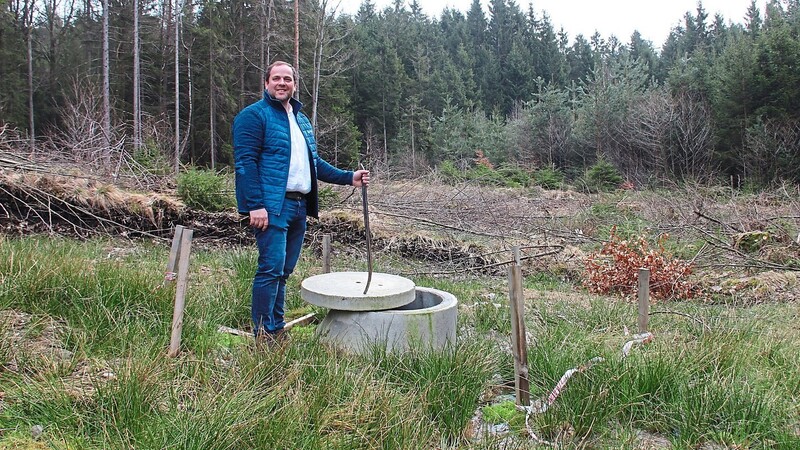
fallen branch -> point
(487, 266)
(703, 324)
(718, 222)
(431, 222)
(716, 242)
(300, 321)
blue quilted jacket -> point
(262, 149)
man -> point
(277, 168)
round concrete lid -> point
(345, 291)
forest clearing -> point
(85, 321)
(495, 141)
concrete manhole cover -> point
(345, 291)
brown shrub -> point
(615, 268)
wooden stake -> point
(180, 292)
(326, 253)
(644, 299)
(300, 321)
(174, 254)
(519, 343)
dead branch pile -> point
(79, 207)
(444, 229)
(348, 230)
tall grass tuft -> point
(447, 382)
(708, 385)
(93, 371)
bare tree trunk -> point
(178, 8)
(212, 108)
(189, 99)
(242, 62)
(106, 89)
(338, 61)
(319, 44)
(270, 20)
(31, 123)
(297, 47)
(166, 42)
(137, 112)
(262, 61)
(263, 29)
(413, 146)
(57, 27)
(385, 133)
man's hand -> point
(259, 219)
(361, 178)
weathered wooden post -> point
(174, 254)
(326, 253)
(180, 291)
(519, 343)
(644, 299)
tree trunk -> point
(211, 106)
(242, 61)
(31, 123)
(178, 8)
(319, 44)
(270, 20)
(297, 48)
(189, 100)
(106, 89)
(262, 41)
(137, 113)
(166, 42)
(413, 146)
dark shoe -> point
(281, 337)
(268, 340)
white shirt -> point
(299, 169)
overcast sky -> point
(653, 18)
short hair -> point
(281, 63)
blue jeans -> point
(278, 251)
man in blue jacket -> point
(277, 168)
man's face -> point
(280, 83)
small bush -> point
(152, 159)
(327, 196)
(486, 176)
(548, 178)
(602, 177)
(515, 176)
(450, 173)
(615, 269)
(203, 189)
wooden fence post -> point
(326, 253)
(174, 254)
(180, 292)
(644, 299)
(519, 343)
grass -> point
(714, 373)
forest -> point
(154, 85)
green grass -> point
(714, 373)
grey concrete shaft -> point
(427, 323)
(345, 291)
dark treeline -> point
(397, 89)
